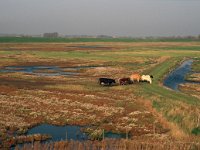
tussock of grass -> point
(196, 131)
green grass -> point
(67, 40)
(76, 55)
(163, 68)
(165, 100)
(196, 65)
(151, 52)
(169, 94)
(4, 52)
(196, 131)
(182, 48)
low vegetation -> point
(115, 144)
(142, 109)
(57, 40)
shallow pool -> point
(178, 75)
(45, 70)
(68, 132)
(59, 132)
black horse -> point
(106, 81)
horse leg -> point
(150, 81)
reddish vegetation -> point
(143, 144)
(27, 100)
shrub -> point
(196, 131)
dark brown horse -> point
(124, 81)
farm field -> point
(144, 110)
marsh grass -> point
(66, 87)
(181, 48)
(7, 61)
(73, 54)
(7, 52)
(196, 65)
(115, 144)
(196, 131)
(80, 99)
(165, 100)
(77, 40)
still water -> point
(45, 70)
(178, 75)
(66, 132)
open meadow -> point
(74, 97)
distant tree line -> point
(50, 35)
(57, 35)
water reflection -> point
(178, 75)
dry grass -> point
(153, 144)
(27, 100)
(191, 88)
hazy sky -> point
(101, 17)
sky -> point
(136, 18)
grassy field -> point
(67, 40)
(27, 99)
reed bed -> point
(112, 144)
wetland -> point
(56, 84)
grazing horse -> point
(135, 77)
(124, 81)
(147, 78)
(106, 81)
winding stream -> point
(178, 75)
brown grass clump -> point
(191, 89)
(108, 144)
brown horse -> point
(124, 81)
(135, 77)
